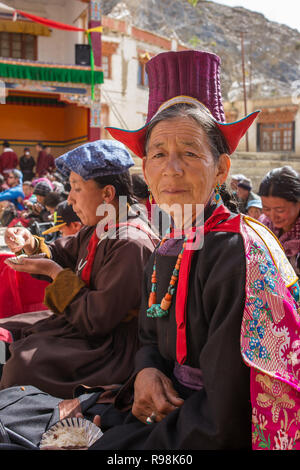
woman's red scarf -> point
(217, 222)
(93, 244)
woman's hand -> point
(37, 266)
(19, 238)
(154, 394)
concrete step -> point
(263, 156)
(256, 165)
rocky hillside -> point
(271, 50)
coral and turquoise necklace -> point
(161, 310)
(156, 310)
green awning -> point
(50, 74)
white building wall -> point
(122, 92)
(59, 47)
(62, 50)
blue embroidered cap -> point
(99, 158)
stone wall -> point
(255, 165)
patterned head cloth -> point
(93, 159)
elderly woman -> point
(206, 325)
(280, 194)
(90, 336)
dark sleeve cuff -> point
(149, 356)
(60, 293)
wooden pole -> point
(94, 20)
(244, 84)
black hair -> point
(122, 184)
(283, 182)
(217, 142)
(140, 188)
(52, 199)
(6, 144)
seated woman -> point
(280, 194)
(216, 311)
(90, 336)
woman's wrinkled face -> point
(179, 167)
(281, 212)
(85, 197)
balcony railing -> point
(47, 72)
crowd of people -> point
(28, 197)
(185, 338)
(276, 205)
(31, 189)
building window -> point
(18, 46)
(108, 50)
(277, 136)
(142, 74)
(106, 66)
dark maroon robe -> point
(94, 340)
(42, 164)
(8, 161)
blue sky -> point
(282, 11)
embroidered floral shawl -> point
(270, 334)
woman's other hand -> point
(154, 394)
(19, 238)
(37, 266)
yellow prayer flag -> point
(97, 29)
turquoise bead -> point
(155, 311)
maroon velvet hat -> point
(184, 77)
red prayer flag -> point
(49, 23)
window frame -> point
(142, 78)
(281, 134)
(109, 67)
(23, 37)
(108, 49)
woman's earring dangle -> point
(217, 195)
(150, 197)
